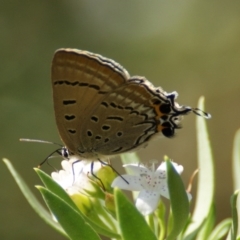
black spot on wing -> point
(117, 118)
(70, 117)
(72, 131)
(69, 102)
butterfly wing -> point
(101, 111)
(131, 116)
(80, 80)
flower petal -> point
(137, 169)
(66, 165)
(133, 183)
(147, 201)
(162, 167)
(164, 191)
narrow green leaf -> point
(193, 234)
(151, 223)
(234, 199)
(236, 169)
(103, 231)
(35, 204)
(161, 213)
(207, 226)
(132, 223)
(53, 187)
(179, 201)
(205, 191)
(221, 230)
(236, 161)
(70, 219)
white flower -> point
(74, 176)
(149, 182)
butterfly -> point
(101, 111)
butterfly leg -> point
(94, 175)
(73, 169)
(109, 165)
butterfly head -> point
(171, 114)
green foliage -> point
(69, 218)
(126, 222)
(205, 190)
(131, 222)
(234, 229)
(32, 200)
(179, 202)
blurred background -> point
(192, 47)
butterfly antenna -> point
(201, 113)
(38, 141)
(63, 151)
(59, 151)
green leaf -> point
(221, 230)
(56, 189)
(207, 225)
(161, 217)
(53, 187)
(179, 201)
(193, 234)
(70, 219)
(236, 161)
(236, 169)
(205, 190)
(35, 204)
(132, 223)
(234, 230)
(150, 220)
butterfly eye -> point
(65, 152)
